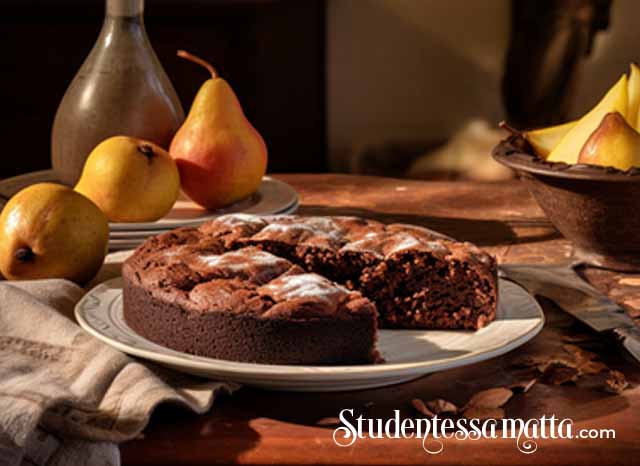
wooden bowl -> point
(596, 208)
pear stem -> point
(199, 61)
(146, 150)
(24, 254)
(504, 125)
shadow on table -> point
(235, 424)
(585, 400)
(176, 435)
(481, 232)
(321, 410)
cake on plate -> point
(302, 290)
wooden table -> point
(261, 427)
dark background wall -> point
(271, 52)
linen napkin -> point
(66, 398)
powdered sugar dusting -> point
(240, 219)
(306, 285)
(404, 242)
(370, 242)
(283, 228)
(241, 260)
(311, 227)
(323, 224)
(436, 246)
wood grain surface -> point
(261, 427)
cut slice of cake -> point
(416, 278)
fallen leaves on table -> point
(440, 406)
(490, 398)
(523, 386)
(486, 404)
(616, 382)
(419, 406)
(554, 369)
(572, 363)
(593, 367)
(580, 356)
(568, 366)
(557, 373)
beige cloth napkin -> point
(66, 398)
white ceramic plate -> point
(272, 197)
(409, 354)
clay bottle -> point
(120, 89)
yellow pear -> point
(633, 90)
(614, 143)
(570, 145)
(221, 156)
(131, 180)
(50, 231)
(544, 140)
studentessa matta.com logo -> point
(525, 433)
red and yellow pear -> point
(614, 143)
(221, 156)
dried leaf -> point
(482, 412)
(578, 353)
(593, 367)
(419, 406)
(328, 422)
(440, 406)
(541, 362)
(616, 382)
(491, 398)
(586, 360)
(523, 386)
(542, 368)
(558, 373)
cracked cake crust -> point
(301, 290)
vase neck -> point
(123, 24)
(126, 8)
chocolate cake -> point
(302, 290)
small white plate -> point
(409, 354)
(273, 196)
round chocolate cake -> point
(301, 290)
